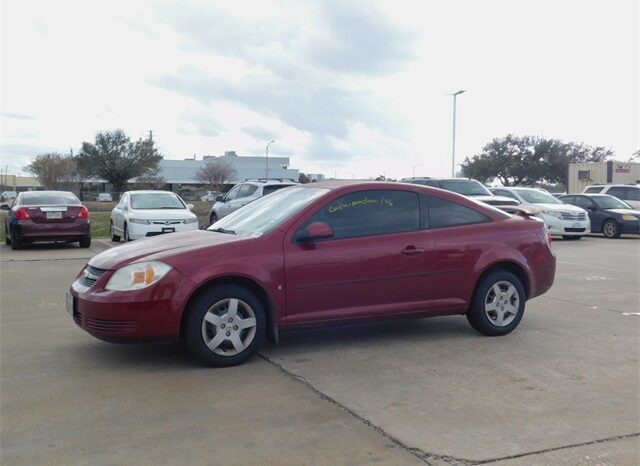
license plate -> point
(70, 303)
(51, 215)
(168, 230)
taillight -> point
(22, 214)
(84, 213)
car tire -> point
(225, 326)
(85, 241)
(7, 240)
(610, 229)
(213, 218)
(498, 303)
(16, 244)
(115, 238)
(126, 234)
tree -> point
(302, 178)
(53, 170)
(114, 158)
(215, 173)
(151, 180)
(516, 160)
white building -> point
(184, 171)
(582, 175)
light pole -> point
(266, 165)
(453, 145)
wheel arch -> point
(245, 282)
(509, 266)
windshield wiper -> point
(223, 230)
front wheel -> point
(610, 229)
(498, 304)
(225, 326)
(126, 234)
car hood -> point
(161, 214)
(560, 208)
(624, 211)
(162, 246)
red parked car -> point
(317, 254)
(46, 216)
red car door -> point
(379, 261)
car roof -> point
(588, 195)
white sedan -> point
(140, 214)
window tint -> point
(443, 213)
(246, 190)
(593, 189)
(273, 187)
(618, 191)
(582, 201)
(55, 198)
(367, 213)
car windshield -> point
(610, 202)
(49, 199)
(465, 187)
(147, 201)
(533, 196)
(266, 213)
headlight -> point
(139, 220)
(137, 276)
(191, 220)
(553, 213)
(629, 218)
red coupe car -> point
(317, 254)
(46, 216)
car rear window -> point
(57, 198)
(465, 187)
(593, 189)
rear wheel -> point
(85, 241)
(15, 242)
(498, 304)
(225, 326)
(115, 238)
(610, 229)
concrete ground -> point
(563, 389)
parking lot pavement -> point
(562, 389)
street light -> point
(266, 165)
(453, 145)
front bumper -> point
(139, 231)
(150, 314)
(556, 226)
(632, 228)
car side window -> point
(233, 194)
(633, 194)
(247, 190)
(584, 202)
(444, 213)
(568, 199)
(593, 189)
(618, 191)
(367, 213)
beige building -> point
(19, 183)
(582, 175)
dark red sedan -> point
(317, 254)
(46, 216)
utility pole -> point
(266, 165)
(151, 135)
(453, 145)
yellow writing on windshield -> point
(385, 201)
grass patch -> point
(100, 227)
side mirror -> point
(5, 207)
(190, 206)
(315, 231)
(219, 198)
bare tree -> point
(54, 170)
(215, 173)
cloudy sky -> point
(353, 89)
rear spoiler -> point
(521, 210)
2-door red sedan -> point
(46, 216)
(317, 254)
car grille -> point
(90, 275)
(167, 222)
(111, 326)
(572, 216)
(77, 317)
(574, 230)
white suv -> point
(567, 220)
(629, 193)
(243, 193)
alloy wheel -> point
(229, 327)
(501, 303)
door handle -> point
(412, 251)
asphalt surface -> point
(563, 389)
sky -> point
(352, 89)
